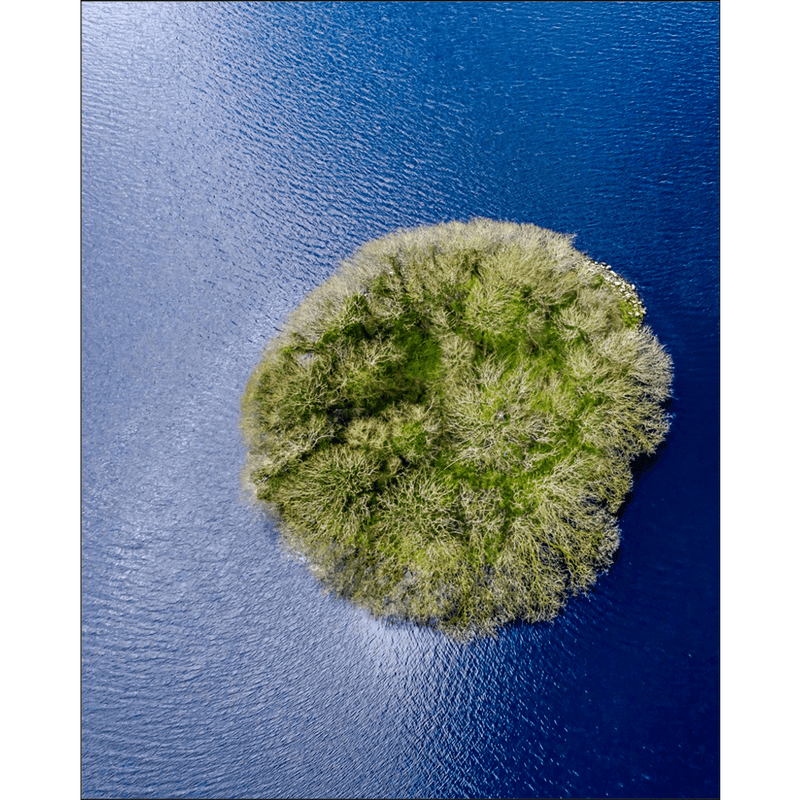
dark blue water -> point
(233, 153)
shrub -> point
(444, 428)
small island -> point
(444, 429)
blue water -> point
(233, 153)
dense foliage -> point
(445, 427)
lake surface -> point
(233, 154)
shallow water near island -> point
(233, 154)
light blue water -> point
(232, 154)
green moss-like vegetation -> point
(445, 427)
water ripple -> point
(233, 154)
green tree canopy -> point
(444, 429)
